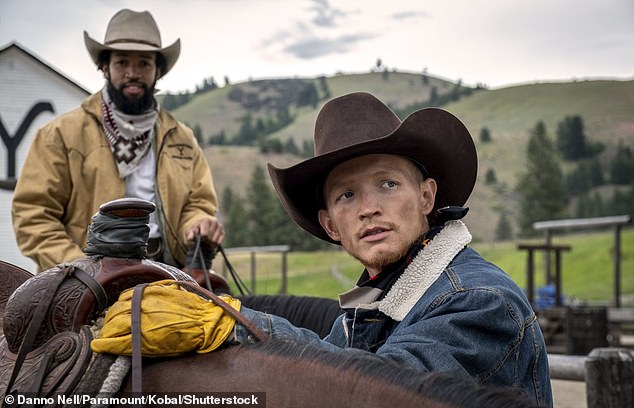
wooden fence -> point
(607, 372)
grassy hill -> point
(606, 106)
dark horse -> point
(278, 373)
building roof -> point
(39, 60)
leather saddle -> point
(46, 344)
(88, 288)
(53, 368)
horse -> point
(291, 374)
(283, 374)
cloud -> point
(326, 15)
(314, 47)
(402, 15)
(324, 33)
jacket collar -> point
(417, 277)
(425, 269)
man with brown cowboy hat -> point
(391, 192)
(118, 143)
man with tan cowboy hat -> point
(118, 143)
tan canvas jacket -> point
(70, 171)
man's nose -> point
(132, 71)
(369, 205)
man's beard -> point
(131, 106)
(381, 261)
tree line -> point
(259, 219)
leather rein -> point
(136, 329)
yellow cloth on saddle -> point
(173, 321)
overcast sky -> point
(493, 42)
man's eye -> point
(390, 184)
(345, 196)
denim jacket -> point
(450, 310)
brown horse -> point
(278, 374)
(288, 374)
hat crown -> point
(128, 26)
(352, 119)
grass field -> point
(587, 268)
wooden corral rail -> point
(620, 327)
(607, 372)
(283, 249)
(530, 268)
(616, 222)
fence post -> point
(610, 378)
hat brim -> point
(432, 137)
(171, 53)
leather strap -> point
(135, 329)
(240, 318)
(95, 287)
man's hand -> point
(210, 230)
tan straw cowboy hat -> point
(358, 124)
(133, 31)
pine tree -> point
(571, 140)
(490, 177)
(234, 219)
(503, 231)
(261, 209)
(622, 166)
(541, 188)
(485, 135)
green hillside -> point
(606, 106)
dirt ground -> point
(569, 394)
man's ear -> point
(327, 225)
(428, 189)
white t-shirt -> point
(140, 184)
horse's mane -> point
(455, 390)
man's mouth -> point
(374, 233)
(134, 87)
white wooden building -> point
(32, 93)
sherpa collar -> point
(423, 271)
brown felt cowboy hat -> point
(133, 31)
(358, 124)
